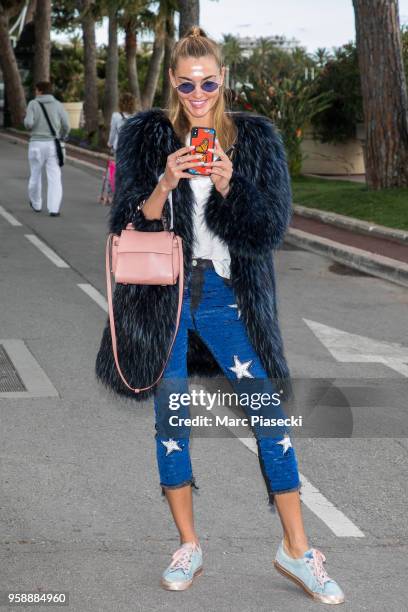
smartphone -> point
(203, 139)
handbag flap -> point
(133, 241)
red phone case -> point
(202, 139)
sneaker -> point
(34, 209)
(187, 563)
(54, 214)
(309, 573)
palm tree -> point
(131, 57)
(232, 52)
(321, 56)
(189, 15)
(260, 58)
(110, 100)
(156, 57)
(136, 19)
(9, 10)
(42, 53)
(170, 8)
(87, 18)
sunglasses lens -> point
(209, 86)
(186, 88)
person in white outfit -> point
(41, 148)
(126, 110)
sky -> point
(314, 23)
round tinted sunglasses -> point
(208, 86)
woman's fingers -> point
(217, 150)
(222, 164)
(221, 168)
(187, 158)
(182, 151)
(192, 164)
(218, 172)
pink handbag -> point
(144, 258)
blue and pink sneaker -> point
(187, 563)
(309, 573)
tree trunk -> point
(111, 78)
(12, 79)
(131, 63)
(384, 90)
(32, 7)
(42, 53)
(168, 47)
(154, 67)
(189, 15)
(90, 76)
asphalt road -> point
(80, 508)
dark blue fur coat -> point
(251, 220)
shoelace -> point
(316, 566)
(182, 557)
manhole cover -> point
(9, 378)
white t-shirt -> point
(206, 244)
(116, 123)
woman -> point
(126, 110)
(230, 220)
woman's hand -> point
(220, 170)
(176, 165)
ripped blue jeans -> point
(210, 309)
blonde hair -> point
(197, 44)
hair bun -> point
(196, 32)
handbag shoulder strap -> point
(112, 318)
(170, 198)
(47, 118)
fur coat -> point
(251, 220)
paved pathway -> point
(81, 508)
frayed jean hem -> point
(190, 481)
(271, 495)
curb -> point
(371, 263)
(355, 225)
(80, 163)
(74, 161)
(68, 145)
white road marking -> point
(327, 512)
(95, 295)
(9, 217)
(338, 522)
(353, 348)
(34, 378)
(311, 497)
(47, 251)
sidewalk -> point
(356, 178)
(370, 248)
